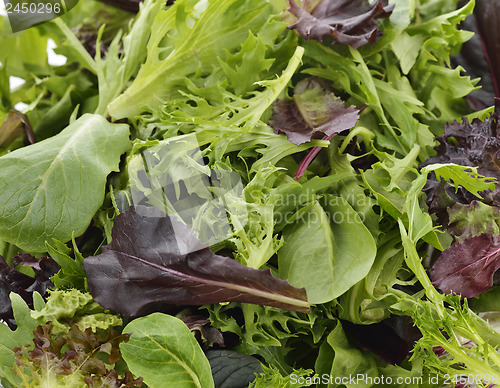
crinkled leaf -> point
(344, 21)
(468, 266)
(164, 352)
(474, 144)
(313, 112)
(72, 307)
(273, 378)
(473, 219)
(53, 188)
(232, 369)
(479, 358)
(12, 280)
(154, 259)
(72, 360)
(187, 39)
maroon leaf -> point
(12, 280)
(487, 13)
(347, 22)
(155, 260)
(314, 112)
(468, 266)
(474, 144)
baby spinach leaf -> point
(155, 259)
(53, 188)
(327, 250)
(338, 358)
(232, 369)
(163, 351)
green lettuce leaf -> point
(321, 253)
(10, 339)
(163, 351)
(53, 188)
(72, 307)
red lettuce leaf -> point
(468, 266)
(480, 56)
(200, 324)
(487, 14)
(347, 22)
(12, 280)
(154, 260)
(84, 353)
(474, 144)
(314, 112)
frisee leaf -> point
(187, 38)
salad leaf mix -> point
(239, 193)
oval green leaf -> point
(163, 351)
(327, 250)
(53, 188)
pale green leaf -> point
(164, 352)
(327, 252)
(10, 339)
(53, 188)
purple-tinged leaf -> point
(473, 219)
(474, 144)
(474, 58)
(468, 266)
(15, 125)
(347, 22)
(12, 280)
(381, 339)
(314, 112)
(487, 14)
(154, 260)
